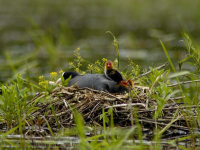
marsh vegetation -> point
(40, 40)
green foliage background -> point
(42, 35)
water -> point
(27, 142)
(46, 33)
(73, 143)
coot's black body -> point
(95, 81)
(111, 82)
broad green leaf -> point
(179, 74)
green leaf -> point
(106, 119)
(110, 110)
(185, 59)
(179, 74)
(172, 93)
(101, 116)
(10, 131)
(65, 82)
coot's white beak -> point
(58, 81)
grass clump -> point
(14, 101)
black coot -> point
(111, 81)
(94, 81)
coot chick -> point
(123, 87)
(116, 76)
(111, 73)
(130, 82)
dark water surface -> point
(73, 143)
(45, 33)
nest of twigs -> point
(57, 110)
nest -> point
(56, 110)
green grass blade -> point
(172, 66)
(116, 44)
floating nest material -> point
(56, 110)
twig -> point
(185, 82)
(177, 98)
(66, 105)
(147, 103)
(169, 124)
(125, 105)
(181, 107)
(59, 114)
(105, 93)
(93, 110)
(125, 67)
(158, 68)
(164, 124)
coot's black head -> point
(67, 74)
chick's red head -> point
(130, 82)
(109, 65)
(123, 83)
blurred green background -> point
(41, 35)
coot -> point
(111, 73)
